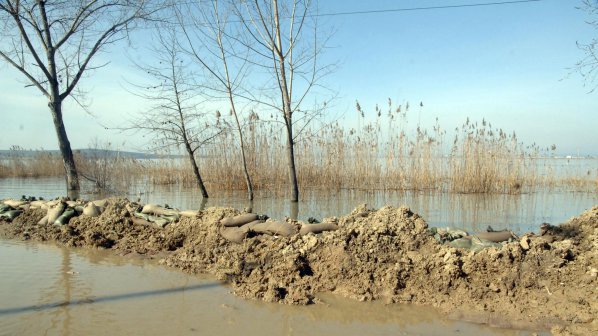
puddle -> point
(50, 290)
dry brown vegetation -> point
(382, 152)
(41, 164)
(105, 172)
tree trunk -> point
(229, 91)
(198, 178)
(291, 163)
(241, 142)
(286, 101)
(72, 178)
(245, 170)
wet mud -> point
(539, 282)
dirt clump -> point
(538, 281)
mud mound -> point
(540, 281)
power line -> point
(407, 9)
(392, 10)
(395, 10)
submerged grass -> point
(381, 152)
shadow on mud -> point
(109, 298)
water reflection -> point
(294, 212)
(521, 213)
(249, 207)
(73, 194)
(66, 285)
(203, 203)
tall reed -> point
(22, 163)
(382, 150)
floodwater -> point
(520, 213)
(50, 290)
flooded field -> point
(414, 167)
(520, 213)
(49, 290)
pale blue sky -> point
(507, 64)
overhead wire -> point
(406, 9)
(391, 10)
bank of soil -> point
(536, 282)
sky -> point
(508, 64)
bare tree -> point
(52, 43)
(284, 41)
(211, 41)
(588, 66)
(174, 117)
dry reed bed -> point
(380, 153)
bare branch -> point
(69, 34)
(588, 66)
(34, 81)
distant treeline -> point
(32, 153)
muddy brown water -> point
(51, 290)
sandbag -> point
(55, 212)
(142, 215)
(158, 210)
(445, 235)
(43, 221)
(171, 218)
(5, 207)
(157, 220)
(317, 228)
(161, 222)
(10, 214)
(79, 209)
(65, 216)
(132, 208)
(249, 226)
(91, 210)
(189, 213)
(53, 203)
(143, 222)
(14, 203)
(38, 204)
(275, 228)
(460, 243)
(100, 203)
(233, 234)
(496, 236)
(238, 220)
(72, 204)
(478, 244)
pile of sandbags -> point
(238, 228)
(156, 215)
(9, 212)
(59, 211)
(476, 241)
